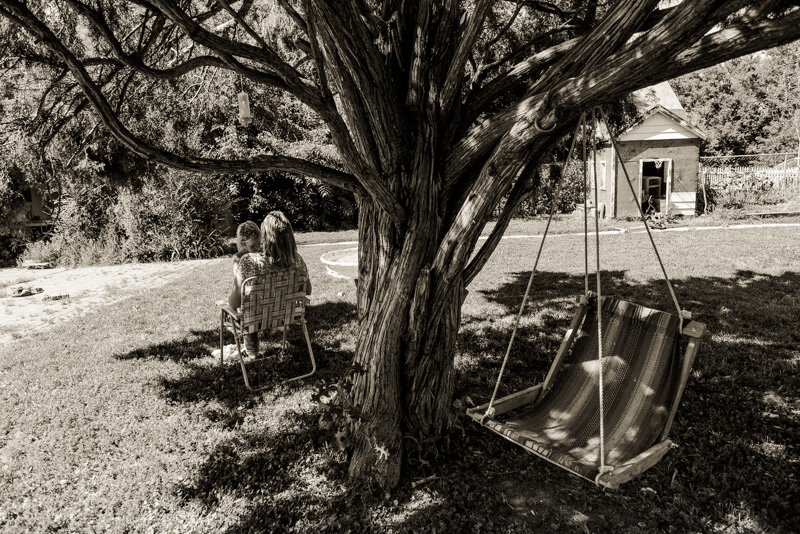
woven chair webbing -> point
(273, 299)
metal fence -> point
(750, 179)
(756, 171)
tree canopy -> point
(438, 112)
(748, 105)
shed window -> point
(601, 175)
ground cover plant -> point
(122, 421)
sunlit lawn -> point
(122, 420)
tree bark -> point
(406, 390)
(405, 348)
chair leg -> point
(221, 328)
(283, 341)
(241, 360)
(310, 353)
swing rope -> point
(603, 467)
(581, 127)
(682, 314)
(585, 221)
(556, 196)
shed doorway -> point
(655, 184)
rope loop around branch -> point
(537, 124)
(547, 105)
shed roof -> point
(660, 94)
(660, 98)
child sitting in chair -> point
(248, 239)
(278, 251)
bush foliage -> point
(115, 206)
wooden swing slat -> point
(636, 465)
(694, 331)
(508, 403)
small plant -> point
(660, 220)
(339, 415)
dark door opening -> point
(654, 186)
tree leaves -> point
(749, 105)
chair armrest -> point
(230, 311)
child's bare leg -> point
(235, 298)
(251, 344)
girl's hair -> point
(246, 230)
(277, 240)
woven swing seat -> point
(644, 374)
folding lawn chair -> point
(270, 301)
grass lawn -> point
(122, 421)
(573, 223)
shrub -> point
(309, 205)
(170, 219)
(14, 232)
(570, 196)
(167, 218)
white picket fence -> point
(751, 178)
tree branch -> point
(364, 160)
(455, 72)
(316, 53)
(505, 28)
(522, 190)
(640, 64)
(296, 17)
(545, 7)
(516, 78)
(243, 23)
(736, 41)
(227, 48)
(670, 30)
(367, 91)
(414, 89)
(507, 163)
(190, 163)
(519, 77)
(136, 63)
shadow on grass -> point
(207, 380)
(738, 422)
(192, 347)
(256, 461)
(737, 427)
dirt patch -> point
(88, 288)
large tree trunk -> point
(405, 345)
(406, 391)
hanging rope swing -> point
(604, 410)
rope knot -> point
(602, 471)
(488, 414)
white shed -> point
(661, 151)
